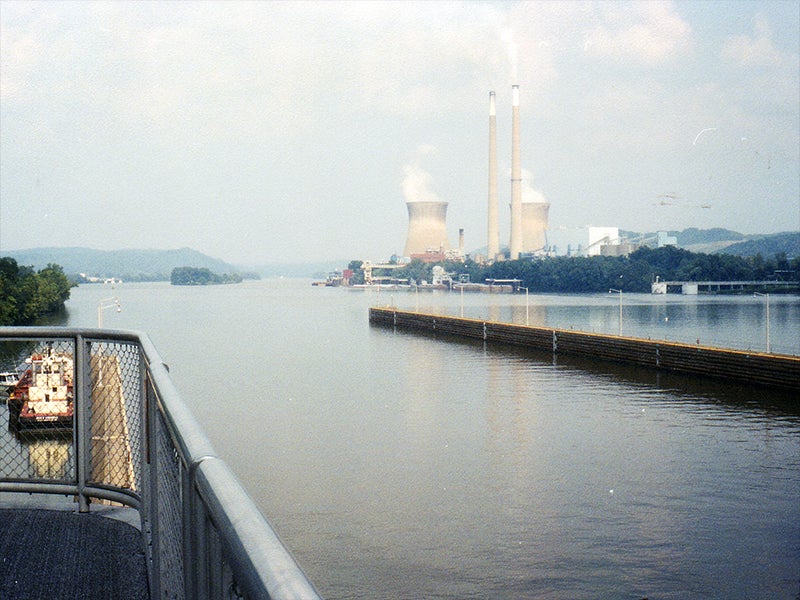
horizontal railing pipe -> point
(187, 432)
(250, 544)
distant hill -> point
(768, 245)
(316, 270)
(691, 236)
(131, 265)
(725, 241)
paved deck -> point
(57, 554)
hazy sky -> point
(265, 131)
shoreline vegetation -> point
(632, 274)
(201, 276)
(27, 295)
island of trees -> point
(201, 276)
(26, 294)
(632, 273)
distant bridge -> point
(711, 287)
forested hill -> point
(779, 243)
(130, 265)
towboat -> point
(8, 379)
(43, 396)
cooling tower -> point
(534, 225)
(515, 244)
(427, 229)
(494, 228)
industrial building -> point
(427, 219)
(582, 241)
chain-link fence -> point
(37, 419)
(95, 416)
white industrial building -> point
(584, 241)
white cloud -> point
(250, 110)
(757, 50)
(649, 33)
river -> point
(396, 465)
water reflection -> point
(403, 465)
(48, 458)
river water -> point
(396, 465)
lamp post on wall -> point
(104, 304)
(766, 298)
(527, 320)
(620, 307)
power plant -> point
(427, 228)
(529, 219)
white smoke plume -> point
(417, 182)
(529, 193)
(507, 36)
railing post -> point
(152, 481)
(187, 525)
(146, 483)
(83, 394)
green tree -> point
(201, 276)
(26, 295)
(358, 273)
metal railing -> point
(131, 440)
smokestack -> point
(461, 242)
(494, 228)
(515, 244)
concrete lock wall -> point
(777, 370)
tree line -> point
(201, 276)
(27, 294)
(632, 273)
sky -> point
(269, 132)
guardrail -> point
(131, 440)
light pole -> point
(766, 298)
(620, 307)
(527, 320)
(104, 304)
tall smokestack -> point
(494, 228)
(515, 245)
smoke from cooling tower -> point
(529, 193)
(427, 213)
(417, 182)
(417, 185)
